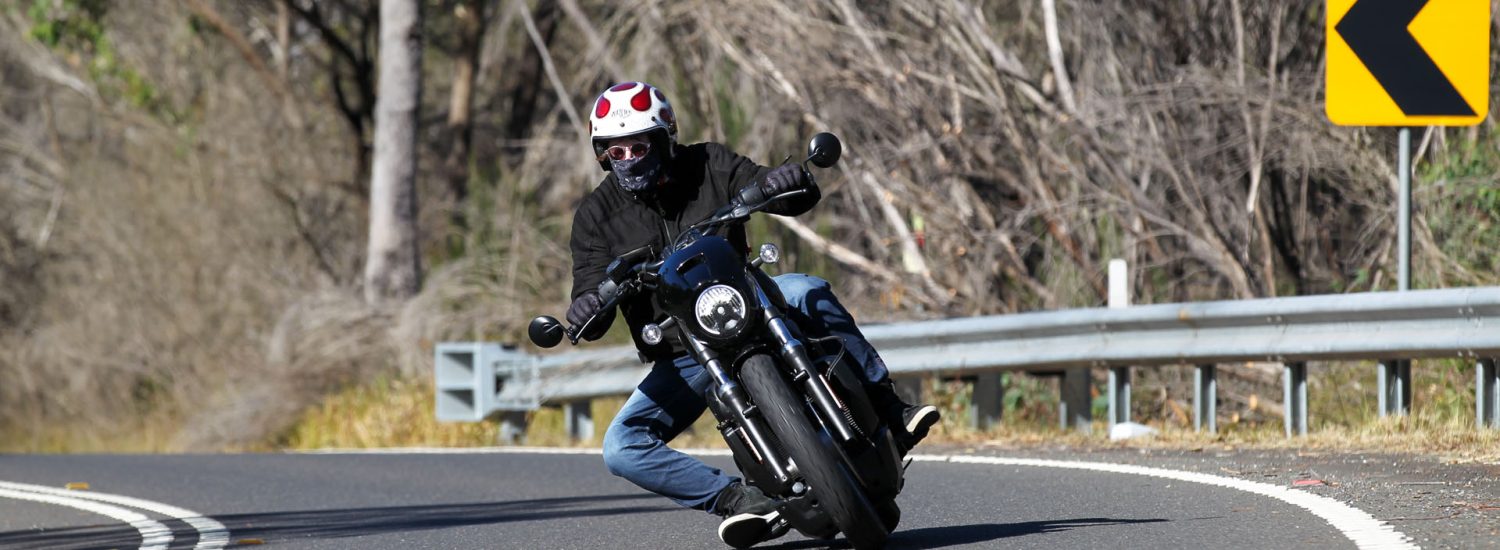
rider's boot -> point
(910, 423)
(750, 517)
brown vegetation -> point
(184, 192)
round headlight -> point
(720, 310)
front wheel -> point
(832, 486)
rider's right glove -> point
(787, 177)
(586, 307)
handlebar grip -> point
(752, 194)
(607, 291)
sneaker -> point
(919, 419)
(910, 423)
(750, 517)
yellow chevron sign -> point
(1408, 62)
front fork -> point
(751, 425)
(748, 417)
(830, 409)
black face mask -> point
(638, 175)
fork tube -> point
(747, 415)
(794, 354)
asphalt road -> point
(570, 501)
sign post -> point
(1406, 63)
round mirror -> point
(824, 150)
(545, 331)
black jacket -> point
(611, 221)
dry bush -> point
(170, 254)
(319, 345)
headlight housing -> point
(720, 311)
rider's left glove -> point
(787, 177)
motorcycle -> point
(790, 407)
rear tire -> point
(830, 482)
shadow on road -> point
(958, 535)
(348, 522)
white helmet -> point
(631, 108)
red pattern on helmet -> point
(602, 108)
(624, 86)
(641, 101)
(668, 117)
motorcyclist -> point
(653, 190)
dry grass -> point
(389, 412)
(1441, 437)
(396, 412)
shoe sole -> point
(746, 530)
(922, 421)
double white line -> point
(155, 535)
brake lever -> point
(619, 293)
(786, 195)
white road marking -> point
(212, 535)
(1360, 527)
(154, 535)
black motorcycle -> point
(791, 407)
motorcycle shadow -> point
(959, 535)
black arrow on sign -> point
(1376, 31)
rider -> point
(654, 189)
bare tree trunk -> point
(469, 15)
(283, 38)
(393, 270)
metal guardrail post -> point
(1487, 394)
(1119, 395)
(1206, 398)
(512, 428)
(1119, 377)
(1393, 383)
(579, 420)
(1294, 398)
(1074, 408)
(988, 402)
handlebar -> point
(621, 283)
(739, 208)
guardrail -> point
(476, 380)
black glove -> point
(585, 307)
(787, 177)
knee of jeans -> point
(797, 286)
(614, 446)
(619, 454)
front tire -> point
(831, 483)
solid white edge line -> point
(212, 535)
(1360, 527)
(154, 535)
(1364, 530)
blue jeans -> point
(671, 398)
